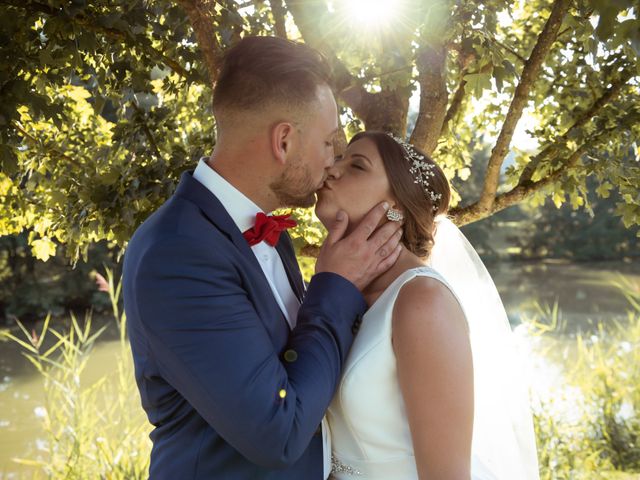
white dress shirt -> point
(243, 212)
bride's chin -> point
(323, 214)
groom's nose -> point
(331, 159)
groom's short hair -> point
(262, 71)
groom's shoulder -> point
(177, 221)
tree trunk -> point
(431, 64)
(387, 112)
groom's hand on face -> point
(366, 252)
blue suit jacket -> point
(209, 343)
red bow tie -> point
(268, 228)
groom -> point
(235, 362)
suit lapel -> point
(209, 204)
(288, 256)
(194, 191)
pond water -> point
(583, 293)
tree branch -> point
(340, 141)
(471, 213)
(432, 75)
(608, 95)
(278, 11)
(201, 18)
(510, 50)
(456, 103)
(145, 129)
(85, 22)
(349, 88)
(466, 55)
(40, 145)
(519, 101)
(246, 4)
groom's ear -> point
(281, 141)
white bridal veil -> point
(503, 436)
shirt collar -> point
(239, 207)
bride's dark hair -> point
(417, 207)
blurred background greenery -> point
(531, 107)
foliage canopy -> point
(104, 103)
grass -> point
(92, 431)
(601, 440)
(98, 430)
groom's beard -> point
(295, 187)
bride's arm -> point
(435, 372)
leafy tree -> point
(530, 230)
(103, 103)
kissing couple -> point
(394, 362)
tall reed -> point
(89, 430)
(601, 438)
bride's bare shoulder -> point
(425, 304)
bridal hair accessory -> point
(394, 215)
(421, 170)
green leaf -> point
(604, 189)
(508, 66)
(558, 199)
(477, 83)
(43, 248)
(110, 177)
(8, 160)
(606, 23)
(464, 173)
(499, 74)
(576, 200)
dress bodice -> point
(369, 428)
(370, 433)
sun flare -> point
(370, 13)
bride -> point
(431, 387)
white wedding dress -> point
(370, 434)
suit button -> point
(290, 356)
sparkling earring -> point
(394, 215)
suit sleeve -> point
(212, 347)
